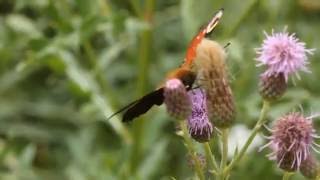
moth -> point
(186, 73)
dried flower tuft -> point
(210, 64)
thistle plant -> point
(292, 140)
(283, 55)
(211, 105)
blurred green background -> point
(65, 65)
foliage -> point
(68, 64)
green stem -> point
(259, 124)
(224, 151)
(191, 150)
(136, 7)
(287, 175)
(210, 157)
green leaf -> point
(22, 25)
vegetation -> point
(66, 65)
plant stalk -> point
(224, 152)
(191, 150)
(210, 156)
(287, 175)
(254, 132)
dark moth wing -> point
(142, 105)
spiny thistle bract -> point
(176, 99)
(292, 137)
(210, 64)
(272, 87)
(200, 128)
(283, 55)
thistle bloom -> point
(292, 137)
(283, 53)
(200, 128)
(176, 99)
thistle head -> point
(200, 128)
(283, 53)
(176, 99)
(291, 140)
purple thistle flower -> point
(200, 128)
(283, 53)
(176, 99)
(292, 137)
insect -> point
(185, 73)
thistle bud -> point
(211, 66)
(201, 159)
(200, 128)
(272, 87)
(176, 99)
(310, 167)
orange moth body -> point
(192, 49)
(193, 46)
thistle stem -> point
(254, 132)
(210, 157)
(287, 175)
(191, 150)
(224, 151)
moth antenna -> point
(227, 45)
